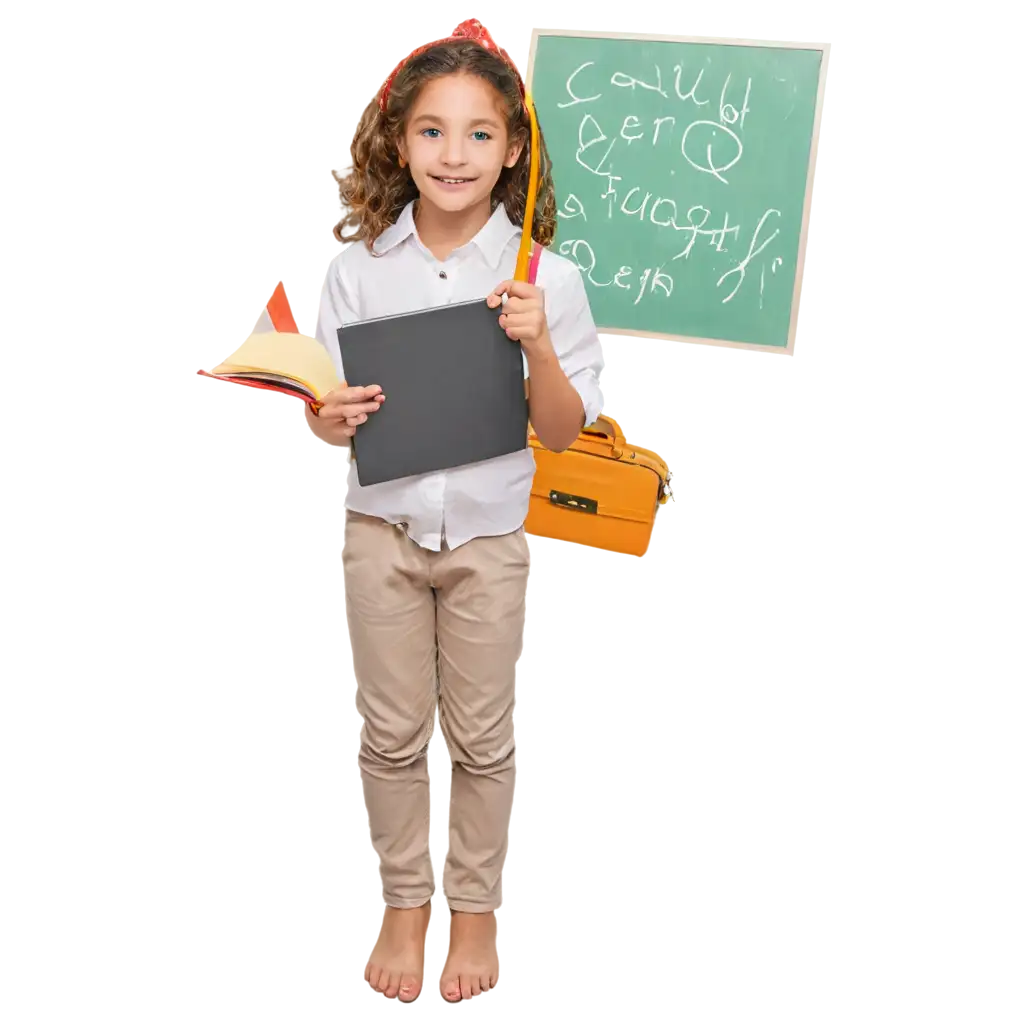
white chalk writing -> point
(573, 208)
(711, 133)
(710, 145)
(741, 267)
(568, 88)
(625, 81)
(581, 252)
(692, 94)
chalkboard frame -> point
(823, 48)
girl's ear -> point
(403, 157)
(514, 151)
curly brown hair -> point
(376, 189)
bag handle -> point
(604, 426)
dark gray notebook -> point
(453, 388)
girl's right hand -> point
(345, 408)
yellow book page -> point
(295, 356)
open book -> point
(276, 357)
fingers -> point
(338, 428)
(346, 395)
(514, 290)
(343, 410)
(522, 305)
(347, 403)
(520, 326)
(494, 299)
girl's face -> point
(456, 142)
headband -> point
(471, 29)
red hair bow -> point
(471, 29)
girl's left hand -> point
(523, 317)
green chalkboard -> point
(683, 172)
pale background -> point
(180, 835)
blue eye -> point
(481, 136)
(427, 131)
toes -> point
(465, 986)
(392, 987)
(382, 981)
(475, 987)
(409, 988)
(373, 973)
(450, 990)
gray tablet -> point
(453, 387)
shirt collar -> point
(398, 232)
(491, 239)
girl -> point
(436, 565)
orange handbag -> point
(601, 491)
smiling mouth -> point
(452, 181)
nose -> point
(454, 151)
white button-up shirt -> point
(485, 498)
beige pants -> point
(437, 629)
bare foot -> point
(472, 964)
(396, 963)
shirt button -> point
(443, 276)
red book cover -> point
(277, 315)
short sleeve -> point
(575, 340)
